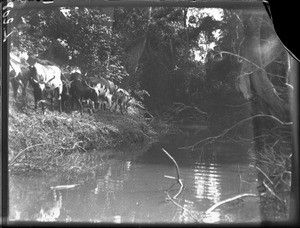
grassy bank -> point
(58, 142)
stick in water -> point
(228, 200)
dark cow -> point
(18, 74)
(45, 79)
(80, 90)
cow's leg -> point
(15, 86)
(43, 101)
(120, 104)
(59, 106)
(35, 102)
(113, 106)
(93, 106)
(122, 107)
(109, 101)
(36, 96)
(63, 104)
(72, 103)
(80, 105)
(97, 105)
(59, 98)
(25, 84)
(24, 94)
(101, 104)
(52, 94)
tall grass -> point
(54, 142)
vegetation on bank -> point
(60, 142)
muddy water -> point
(132, 188)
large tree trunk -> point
(134, 52)
(257, 87)
(254, 81)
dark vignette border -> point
(288, 10)
(4, 121)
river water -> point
(132, 187)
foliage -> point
(181, 60)
(77, 37)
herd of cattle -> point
(47, 80)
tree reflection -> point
(50, 211)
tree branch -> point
(179, 181)
(27, 148)
(262, 173)
(212, 138)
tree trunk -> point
(292, 73)
(256, 86)
(109, 12)
(254, 81)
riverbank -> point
(58, 142)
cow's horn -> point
(36, 81)
(88, 85)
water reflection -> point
(126, 189)
(116, 174)
(207, 181)
(50, 211)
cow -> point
(81, 90)
(18, 74)
(43, 79)
(104, 88)
(122, 99)
(66, 96)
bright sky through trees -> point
(194, 17)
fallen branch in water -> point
(178, 205)
(179, 181)
(228, 200)
(61, 187)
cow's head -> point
(32, 73)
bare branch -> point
(212, 138)
(247, 60)
(177, 168)
(272, 192)
(179, 181)
(237, 106)
(27, 148)
(262, 173)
